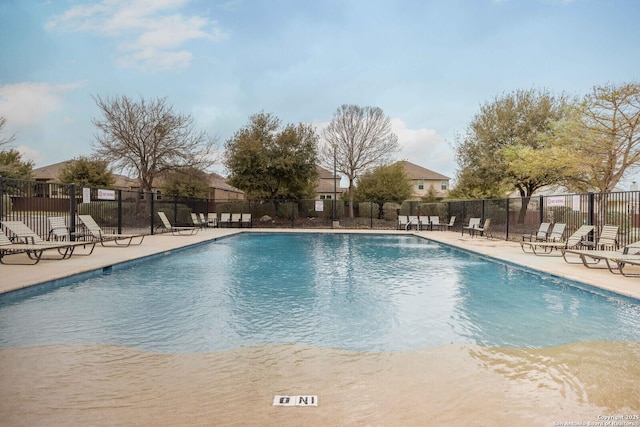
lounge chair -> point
(403, 222)
(26, 235)
(118, 240)
(434, 223)
(547, 248)
(236, 219)
(593, 258)
(557, 232)
(413, 221)
(225, 218)
(540, 235)
(211, 220)
(197, 222)
(623, 261)
(33, 251)
(474, 223)
(177, 231)
(246, 219)
(484, 230)
(452, 222)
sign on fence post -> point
(86, 195)
(106, 194)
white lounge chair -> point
(403, 221)
(225, 219)
(34, 252)
(474, 224)
(246, 220)
(181, 231)
(547, 248)
(118, 240)
(23, 234)
(540, 235)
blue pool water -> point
(357, 292)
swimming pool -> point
(346, 291)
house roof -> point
(414, 171)
(49, 172)
(219, 182)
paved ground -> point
(13, 277)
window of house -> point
(421, 184)
(322, 197)
(443, 185)
(329, 197)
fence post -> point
(541, 209)
(591, 208)
(371, 214)
(482, 211)
(119, 211)
(73, 210)
(507, 230)
(152, 214)
(292, 220)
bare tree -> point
(149, 138)
(357, 139)
(605, 135)
(5, 139)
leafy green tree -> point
(603, 137)
(186, 182)
(87, 172)
(357, 140)
(384, 184)
(149, 138)
(431, 196)
(518, 123)
(267, 161)
(12, 165)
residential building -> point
(327, 184)
(422, 179)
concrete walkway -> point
(13, 277)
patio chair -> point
(593, 258)
(484, 230)
(623, 261)
(452, 222)
(434, 222)
(23, 234)
(540, 235)
(557, 232)
(177, 231)
(236, 219)
(474, 223)
(403, 222)
(197, 222)
(547, 248)
(413, 220)
(33, 251)
(211, 220)
(246, 219)
(119, 240)
(225, 219)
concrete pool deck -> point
(14, 277)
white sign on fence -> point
(86, 195)
(106, 195)
(319, 205)
(555, 201)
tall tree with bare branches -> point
(604, 136)
(148, 138)
(5, 139)
(357, 140)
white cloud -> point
(26, 103)
(31, 154)
(149, 33)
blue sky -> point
(428, 64)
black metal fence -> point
(122, 211)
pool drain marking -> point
(307, 400)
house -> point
(422, 179)
(328, 184)
(218, 187)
